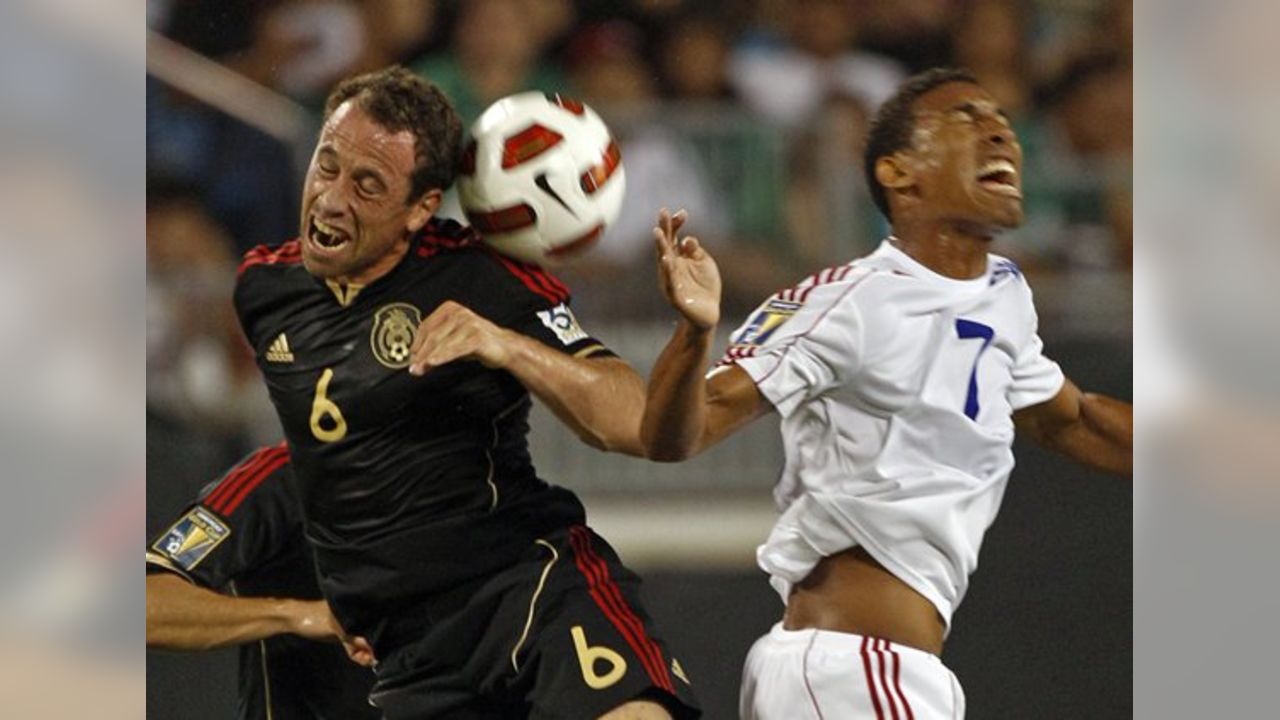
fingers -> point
(360, 651)
(442, 337)
(665, 233)
(677, 220)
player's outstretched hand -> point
(453, 332)
(687, 273)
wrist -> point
(293, 616)
(510, 346)
(692, 332)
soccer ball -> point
(541, 177)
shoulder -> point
(1003, 269)
(281, 256)
(1006, 277)
(842, 289)
(498, 276)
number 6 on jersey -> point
(322, 407)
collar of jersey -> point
(913, 267)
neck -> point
(378, 268)
(949, 249)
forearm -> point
(182, 616)
(1101, 436)
(599, 399)
(675, 411)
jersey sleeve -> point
(1036, 378)
(255, 291)
(239, 523)
(800, 343)
(539, 307)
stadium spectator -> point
(496, 51)
(198, 370)
(788, 82)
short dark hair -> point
(895, 122)
(397, 99)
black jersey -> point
(245, 535)
(411, 485)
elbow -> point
(666, 452)
(668, 455)
(663, 449)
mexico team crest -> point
(394, 326)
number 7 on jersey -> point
(970, 330)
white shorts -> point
(821, 675)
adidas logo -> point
(279, 350)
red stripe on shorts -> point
(879, 646)
(897, 681)
(871, 682)
(609, 599)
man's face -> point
(354, 210)
(965, 159)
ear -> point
(422, 210)
(893, 172)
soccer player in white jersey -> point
(899, 379)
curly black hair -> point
(397, 99)
(895, 122)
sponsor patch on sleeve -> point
(765, 323)
(560, 320)
(192, 538)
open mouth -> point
(326, 236)
(1000, 176)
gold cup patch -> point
(393, 328)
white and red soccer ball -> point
(541, 177)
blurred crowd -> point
(749, 113)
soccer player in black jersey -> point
(244, 533)
(400, 354)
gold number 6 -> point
(322, 407)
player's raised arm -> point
(595, 396)
(1094, 429)
(684, 412)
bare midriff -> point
(850, 592)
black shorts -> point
(559, 634)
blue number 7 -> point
(967, 330)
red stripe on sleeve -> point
(236, 474)
(552, 282)
(242, 474)
(249, 486)
(534, 286)
(288, 253)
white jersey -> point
(896, 387)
